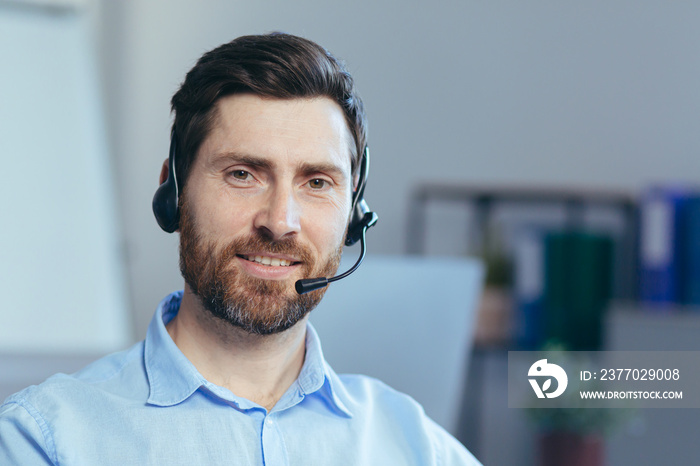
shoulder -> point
(367, 393)
(448, 450)
(24, 435)
(374, 401)
(108, 374)
(29, 418)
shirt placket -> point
(273, 446)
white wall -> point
(61, 274)
(590, 93)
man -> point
(267, 148)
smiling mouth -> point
(271, 261)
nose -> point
(280, 214)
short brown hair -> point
(272, 65)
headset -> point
(167, 213)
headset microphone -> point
(311, 284)
(362, 219)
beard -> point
(256, 305)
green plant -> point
(499, 267)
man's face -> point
(266, 203)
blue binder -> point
(661, 238)
(529, 288)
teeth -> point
(269, 261)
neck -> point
(259, 368)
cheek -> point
(326, 228)
(219, 216)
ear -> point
(356, 180)
(164, 172)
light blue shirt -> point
(148, 405)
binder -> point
(661, 238)
(577, 289)
(528, 287)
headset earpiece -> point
(165, 200)
(362, 217)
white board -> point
(62, 286)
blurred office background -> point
(578, 108)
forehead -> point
(292, 130)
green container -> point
(577, 289)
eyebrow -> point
(305, 168)
(250, 160)
(330, 169)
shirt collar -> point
(317, 376)
(173, 378)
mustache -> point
(262, 243)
